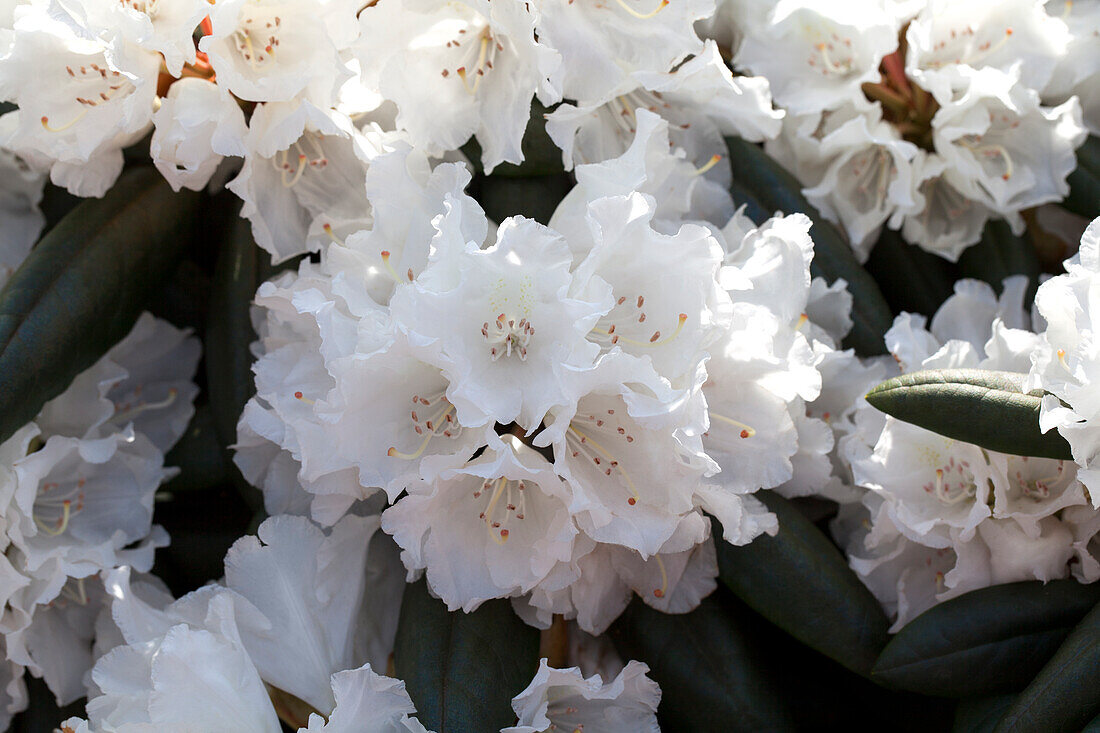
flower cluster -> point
(929, 116)
(548, 414)
(941, 517)
(77, 486)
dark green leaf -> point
(709, 677)
(229, 329)
(1084, 182)
(1065, 695)
(753, 208)
(980, 714)
(986, 408)
(1000, 254)
(198, 455)
(988, 641)
(911, 279)
(777, 190)
(535, 198)
(799, 581)
(83, 286)
(462, 670)
(541, 155)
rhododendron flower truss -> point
(423, 340)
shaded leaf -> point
(1000, 254)
(911, 279)
(83, 286)
(1065, 695)
(986, 408)
(777, 190)
(199, 456)
(1084, 181)
(988, 641)
(980, 714)
(710, 678)
(462, 670)
(799, 581)
(535, 198)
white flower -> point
(943, 220)
(367, 702)
(649, 166)
(562, 699)
(1078, 71)
(158, 26)
(80, 99)
(301, 163)
(502, 324)
(816, 54)
(601, 45)
(701, 100)
(1017, 37)
(197, 123)
(1067, 363)
(308, 587)
(867, 180)
(490, 528)
(668, 306)
(458, 69)
(282, 50)
(1001, 148)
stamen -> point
(385, 255)
(746, 430)
(62, 522)
(328, 230)
(614, 464)
(126, 412)
(640, 16)
(442, 424)
(66, 126)
(714, 159)
(301, 398)
(660, 592)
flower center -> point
(580, 440)
(506, 336)
(871, 172)
(474, 54)
(954, 482)
(430, 417)
(257, 37)
(56, 504)
(832, 56)
(961, 46)
(148, 7)
(98, 85)
(1052, 479)
(505, 500)
(134, 404)
(305, 154)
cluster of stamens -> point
(962, 40)
(949, 488)
(833, 56)
(582, 445)
(506, 335)
(993, 152)
(872, 170)
(501, 497)
(1044, 486)
(257, 53)
(148, 7)
(56, 504)
(109, 85)
(629, 313)
(305, 154)
(431, 417)
(130, 408)
(480, 51)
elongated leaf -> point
(1000, 254)
(753, 208)
(911, 279)
(986, 408)
(777, 190)
(229, 331)
(799, 581)
(462, 670)
(703, 663)
(83, 286)
(988, 641)
(198, 455)
(1065, 695)
(980, 714)
(1084, 182)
